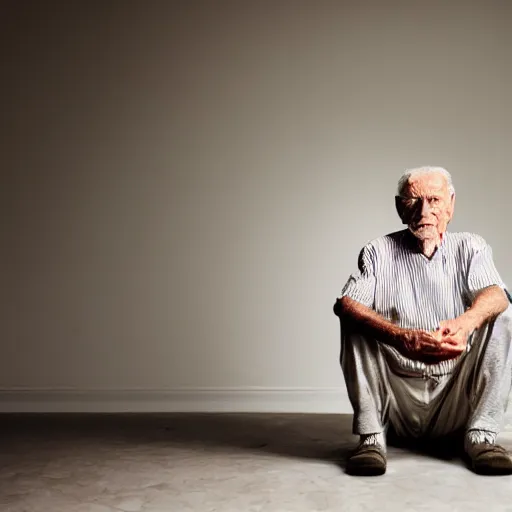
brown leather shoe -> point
(490, 459)
(367, 460)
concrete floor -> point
(221, 462)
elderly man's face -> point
(426, 206)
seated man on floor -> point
(426, 330)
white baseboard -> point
(287, 400)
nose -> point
(425, 207)
(422, 210)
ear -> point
(452, 206)
(400, 208)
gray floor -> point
(222, 462)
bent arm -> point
(367, 320)
(488, 304)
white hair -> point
(420, 171)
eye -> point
(410, 201)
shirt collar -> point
(412, 243)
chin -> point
(425, 233)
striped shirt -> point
(409, 289)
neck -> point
(428, 246)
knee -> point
(503, 324)
(499, 335)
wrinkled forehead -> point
(427, 184)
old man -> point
(426, 330)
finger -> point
(449, 341)
(450, 352)
(432, 348)
(429, 342)
(452, 338)
(441, 349)
(437, 335)
(429, 337)
(452, 349)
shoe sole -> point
(365, 471)
(366, 467)
(491, 471)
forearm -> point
(488, 304)
(367, 320)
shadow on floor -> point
(325, 437)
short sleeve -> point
(482, 271)
(361, 284)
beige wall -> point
(186, 185)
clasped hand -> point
(448, 341)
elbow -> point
(502, 306)
(340, 307)
(504, 302)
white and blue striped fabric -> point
(415, 292)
